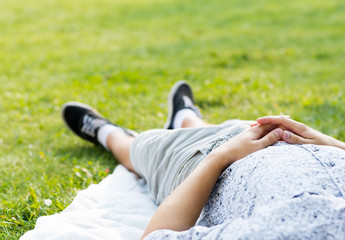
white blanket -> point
(119, 207)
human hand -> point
(247, 142)
(175, 212)
(299, 133)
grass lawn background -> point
(244, 59)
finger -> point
(272, 119)
(283, 121)
(271, 138)
(254, 124)
(292, 138)
(261, 130)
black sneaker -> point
(85, 121)
(180, 97)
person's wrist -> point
(337, 143)
(223, 156)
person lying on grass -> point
(269, 179)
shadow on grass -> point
(85, 153)
(209, 103)
(327, 109)
(328, 117)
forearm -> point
(183, 206)
(337, 143)
(329, 141)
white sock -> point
(181, 115)
(104, 132)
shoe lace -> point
(188, 103)
(90, 125)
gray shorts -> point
(164, 158)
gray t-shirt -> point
(281, 192)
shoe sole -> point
(171, 102)
(78, 104)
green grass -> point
(244, 59)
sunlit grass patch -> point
(243, 59)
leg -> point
(182, 111)
(119, 143)
(87, 123)
(194, 122)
